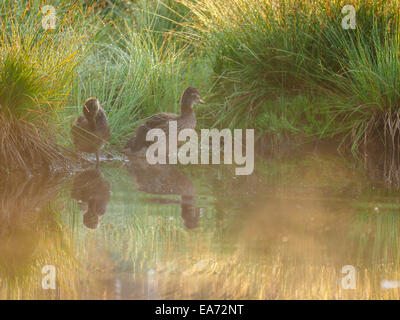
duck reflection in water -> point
(93, 193)
(167, 180)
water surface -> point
(134, 231)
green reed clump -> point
(37, 68)
(265, 51)
(134, 75)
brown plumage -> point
(91, 130)
(185, 120)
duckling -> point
(91, 130)
(185, 120)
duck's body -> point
(185, 120)
(91, 130)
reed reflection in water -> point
(283, 233)
(166, 180)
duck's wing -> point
(160, 121)
(102, 126)
(80, 122)
(86, 137)
(157, 121)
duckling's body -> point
(91, 130)
(185, 120)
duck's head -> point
(190, 97)
(91, 108)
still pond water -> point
(134, 231)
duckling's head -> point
(91, 108)
(190, 97)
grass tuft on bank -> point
(286, 68)
(266, 52)
(37, 70)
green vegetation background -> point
(285, 68)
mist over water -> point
(137, 231)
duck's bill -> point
(201, 101)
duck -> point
(137, 144)
(91, 129)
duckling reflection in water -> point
(93, 191)
(167, 180)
